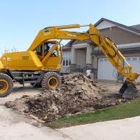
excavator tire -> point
(51, 80)
(6, 85)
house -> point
(80, 55)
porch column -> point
(73, 58)
(88, 56)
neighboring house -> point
(80, 54)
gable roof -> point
(136, 26)
(129, 28)
(134, 29)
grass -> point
(128, 109)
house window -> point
(128, 59)
(66, 58)
(134, 58)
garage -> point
(135, 63)
(105, 70)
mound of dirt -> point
(77, 94)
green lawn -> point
(125, 110)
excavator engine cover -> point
(128, 90)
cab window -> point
(39, 50)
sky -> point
(21, 20)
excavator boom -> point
(109, 49)
(107, 46)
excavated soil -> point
(76, 95)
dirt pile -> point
(77, 94)
(79, 84)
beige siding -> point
(120, 36)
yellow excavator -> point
(40, 64)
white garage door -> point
(105, 70)
(135, 63)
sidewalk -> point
(16, 127)
(126, 129)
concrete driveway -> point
(15, 127)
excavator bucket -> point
(128, 90)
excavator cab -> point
(43, 49)
(49, 54)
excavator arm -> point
(112, 53)
(109, 49)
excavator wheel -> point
(6, 85)
(51, 80)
